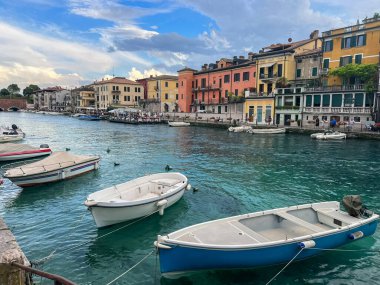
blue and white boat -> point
(263, 238)
(89, 117)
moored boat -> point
(58, 166)
(89, 117)
(268, 131)
(136, 198)
(331, 136)
(178, 124)
(264, 238)
(240, 129)
(12, 151)
(11, 134)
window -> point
(125, 88)
(245, 76)
(369, 100)
(336, 100)
(314, 71)
(326, 63)
(299, 60)
(236, 92)
(317, 101)
(115, 88)
(262, 72)
(358, 58)
(176, 85)
(298, 73)
(254, 74)
(166, 84)
(226, 93)
(225, 109)
(226, 78)
(128, 98)
(166, 96)
(328, 46)
(361, 40)
(346, 42)
(125, 97)
(203, 83)
(308, 100)
(236, 77)
(176, 96)
(326, 101)
(359, 100)
(182, 83)
(345, 60)
(279, 70)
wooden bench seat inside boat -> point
(299, 222)
(335, 218)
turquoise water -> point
(235, 173)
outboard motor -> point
(354, 206)
(44, 146)
(14, 127)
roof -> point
(310, 52)
(117, 80)
(281, 48)
(186, 69)
(163, 77)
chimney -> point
(241, 57)
(314, 34)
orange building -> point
(213, 87)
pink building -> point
(210, 88)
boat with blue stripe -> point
(58, 166)
(263, 238)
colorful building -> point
(84, 98)
(117, 92)
(164, 90)
(216, 86)
(52, 99)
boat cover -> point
(56, 161)
(14, 147)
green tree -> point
(366, 73)
(13, 89)
(30, 89)
(376, 15)
(4, 92)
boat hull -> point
(11, 138)
(55, 175)
(178, 124)
(24, 154)
(268, 131)
(106, 216)
(179, 259)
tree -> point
(376, 15)
(30, 89)
(4, 92)
(13, 89)
(366, 73)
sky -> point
(71, 43)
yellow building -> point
(117, 92)
(164, 89)
(85, 97)
(276, 67)
(355, 44)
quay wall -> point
(10, 252)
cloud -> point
(135, 74)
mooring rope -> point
(121, 275)
(52, 254)
(274, 277)
(343, 250)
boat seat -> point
(251, 233)
(299, 221)
(336, 214)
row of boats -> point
(245, 241)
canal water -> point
(235, 173)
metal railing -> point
(58, 280)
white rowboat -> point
(178, 124)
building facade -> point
(55, 99)
(218, 87)
(164, 90)
(117, 92)
(84, 98)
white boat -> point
(240, 129)
(136, 198)
(12, 151)
(331, 136)
(178, 124)
(58, 166)
(264, 238)
(268, 131)
(11, 134)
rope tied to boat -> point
(274, 277)
(134, 266)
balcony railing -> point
(341, 110)
(115, 91)
(260, 94)
(268, 76)
(335, 88)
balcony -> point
(287, 91)
(115, 91)
(288, 107)
(260, 94)
(323, 71)
(338, 110)
(268, 77)
(355, 87)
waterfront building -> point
(52, 99)
(117, 92)
(163, 89)
(277, 67)
(84, 98)
(218, 87)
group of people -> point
(333, 123)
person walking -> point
(317, 122)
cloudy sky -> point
(74, 42)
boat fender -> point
(188, 187)
(356, 235)
(161, 206)
(307, 244)
(63, 174)
(96, 165)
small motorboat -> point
(265, 238)
(12, 151)
(267, 131)
(58, 166)
(178, 124)
(331, 136)
(11, 134)
(240, 129)
(136, 198)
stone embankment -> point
(10, 252)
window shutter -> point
(341, 61)
(331, 45)
(353, 41)
(364, 40)
(350, 59)
(342, 43)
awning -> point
(266, 65)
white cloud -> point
(135, 74)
